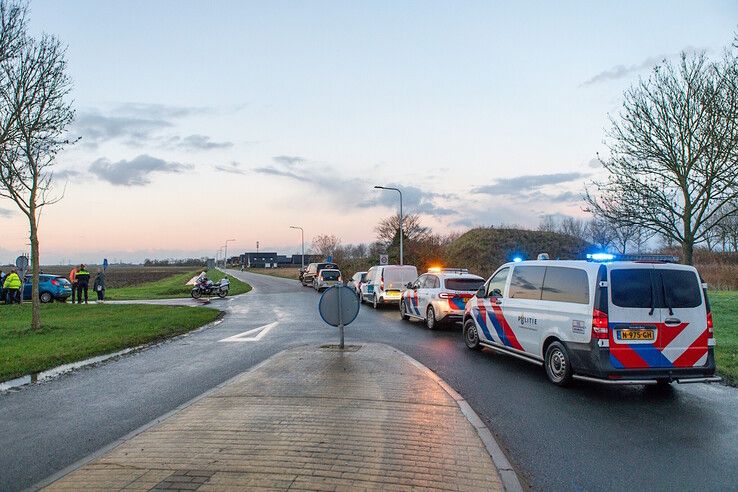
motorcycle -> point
(207, 287)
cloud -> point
(5, 213)
(357, 192)
(622, 71)
(525, 184)
(232, 168)
(289, 160)
(137, 124)
(197, 142)
(95, 128)
(135, 172)
(67, 173)
(594, 163)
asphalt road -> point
(582, 438)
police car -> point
(439, 296)
(615, 320)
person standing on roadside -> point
(73, 281)
(11, 285)
(99, 285)
(2, 281)
(83, 282)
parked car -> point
(386, 283)
(439, 296)
(637, 320)
(328, 277)
(312, 270)
(356, 281)
(50, 288)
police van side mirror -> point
(482, 292)
(410, 285)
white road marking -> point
(244, 337)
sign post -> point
(339, 307)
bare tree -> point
(388, 229)
(548, 224)
(673, 152)
(325, 245)
(34, 113)
(573, 227)
(600, 233)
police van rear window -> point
(468, 284)
(631, 288)
(681, 288)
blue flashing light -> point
(517, 259)
(600, 257)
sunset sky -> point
(205, 121)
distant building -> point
(259, 260)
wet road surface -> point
(582, 438)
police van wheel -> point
(558, 365)
(403, 311)
(430, 318)
(471, 337)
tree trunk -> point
(687, 249)
(36, 269)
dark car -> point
(50, 288)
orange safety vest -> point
(73, 275)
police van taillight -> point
(710, 328)
(599, 324)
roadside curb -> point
(509, 477)
(108, 447)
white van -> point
(618, 322)
(386, 283)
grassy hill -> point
(482, 250)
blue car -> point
(50, 288)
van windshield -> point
(467, 284)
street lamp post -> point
(398, 191)
(225, 255)
(302, 235)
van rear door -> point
(634, 318)
(683, 334)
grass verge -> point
(74, 332)
(725, 316)
(171, 287)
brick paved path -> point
(307, 419)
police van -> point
(614, 320)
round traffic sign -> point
(21, 262)
(338, 306)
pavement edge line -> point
(158, 420)
(508, 476)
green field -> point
(74, 332)
(725, 317)
(170, 287)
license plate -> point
(636, 334)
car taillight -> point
(56, 282)
(446, 295)
(381, 283)
(599, 324)
(710, 328)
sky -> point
(206, 121)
